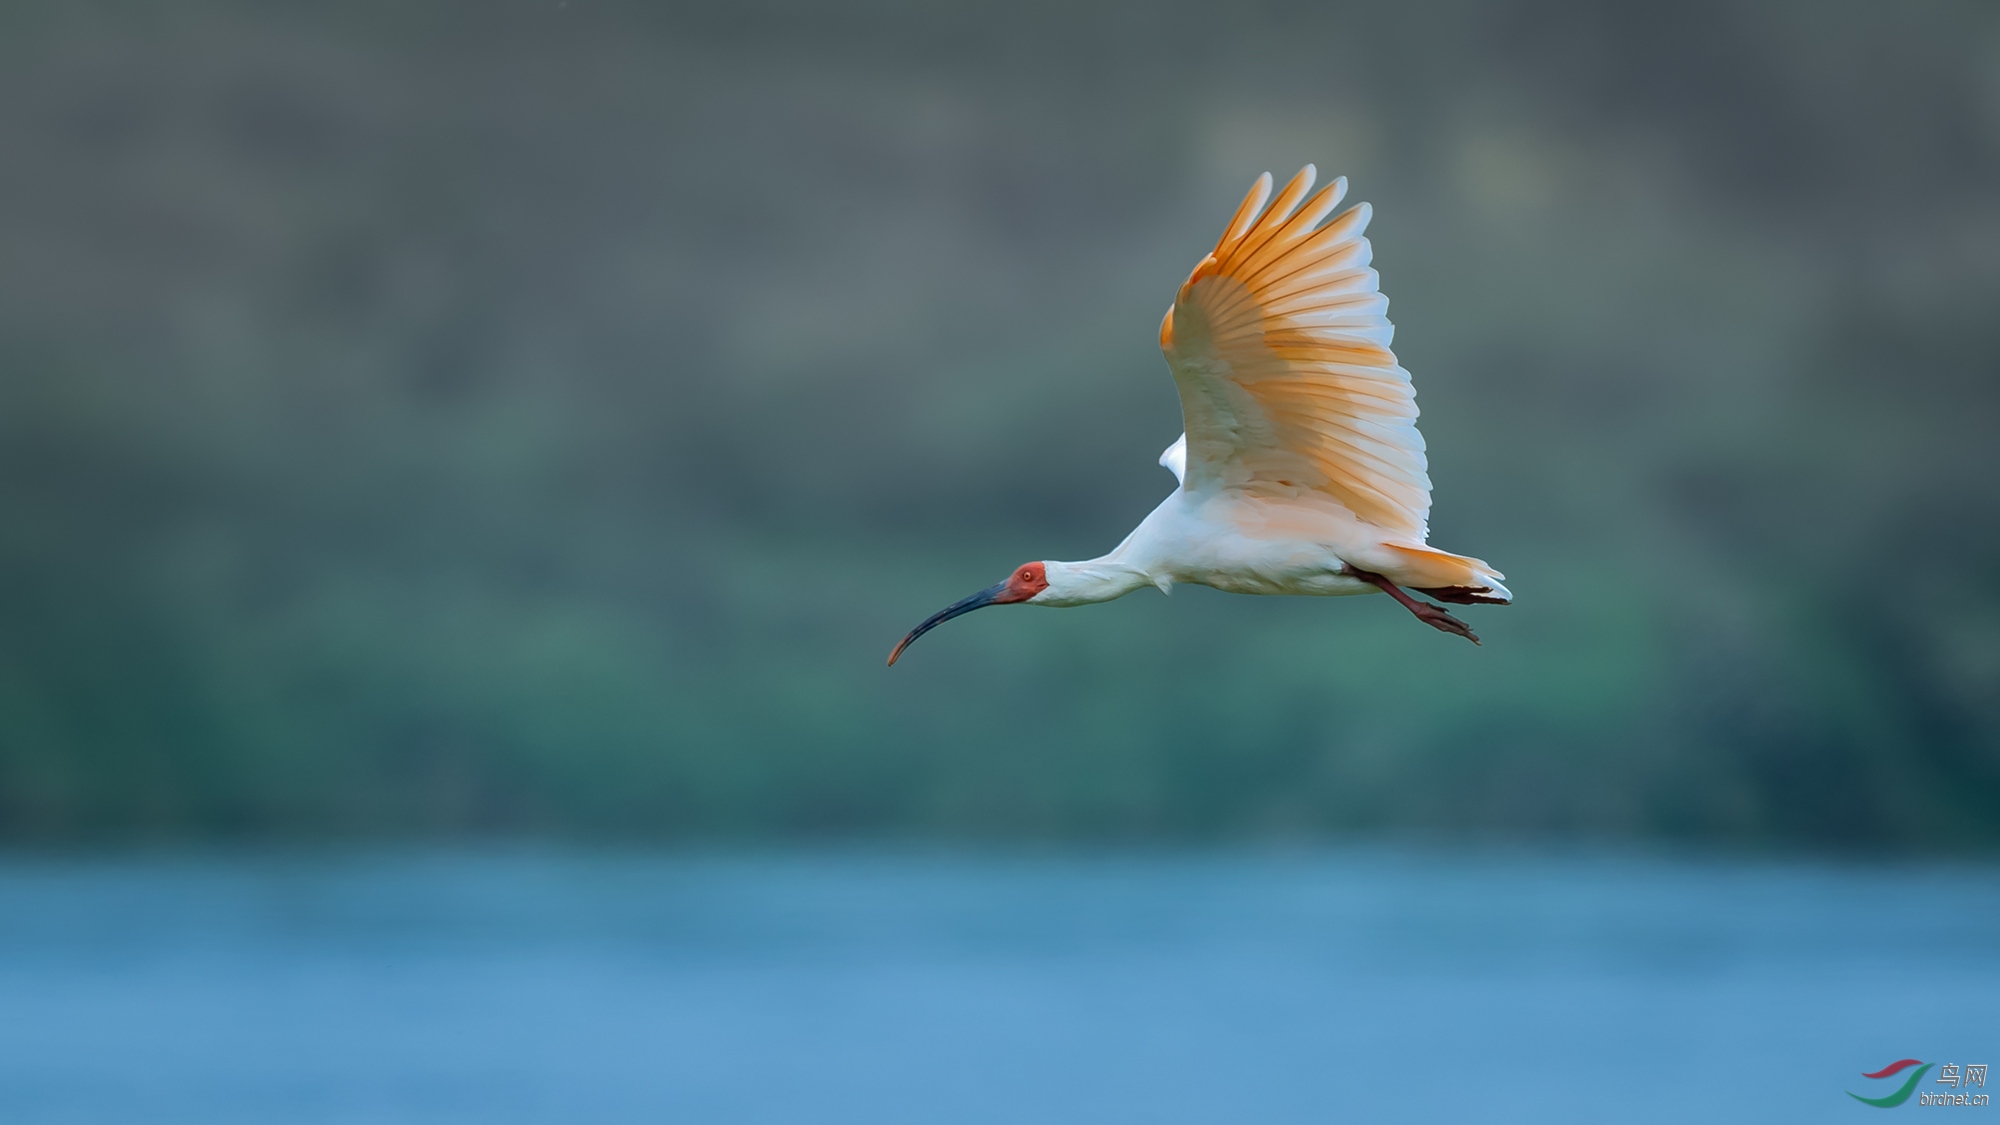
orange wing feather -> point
(1279, 343)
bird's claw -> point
(1437, 617)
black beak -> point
(958, 608)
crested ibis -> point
(1301, 469)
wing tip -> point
(1306, 177)
(1246, 213)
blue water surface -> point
(1368, 987)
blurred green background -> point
(539, 419)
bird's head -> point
(1027, 582)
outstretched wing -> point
(1279, 343)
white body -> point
(1232, 542)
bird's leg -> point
(1433, 615)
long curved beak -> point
(962, 606)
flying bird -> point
(1301, 469)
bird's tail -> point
(1427, 568)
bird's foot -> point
(1437, 617)
(1461, 595)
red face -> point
(1027, 580)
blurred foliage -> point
(543, 417)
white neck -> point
(1092, 580)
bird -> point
(1300, 469)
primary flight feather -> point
(1301, 469)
